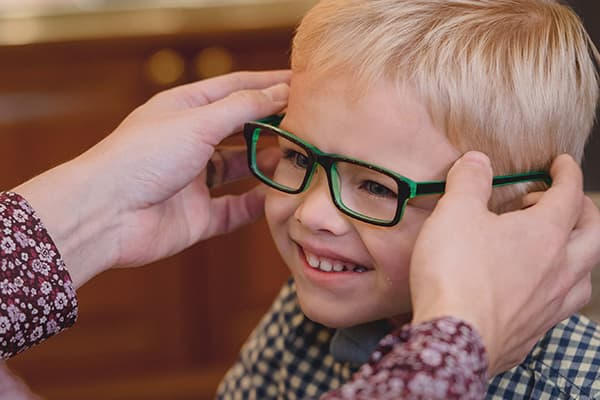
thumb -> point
(221, 118)
(470, 180)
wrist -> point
(74, 203)
(435, 310)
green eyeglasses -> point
(360, 190)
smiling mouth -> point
(329, 265)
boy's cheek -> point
(391, 248)
(279, 208)
(275, 207)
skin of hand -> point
(511, 276)
(141, 194)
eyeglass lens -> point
(360, 189)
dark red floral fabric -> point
(440, 359)
(37, 298)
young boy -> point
(386, 89)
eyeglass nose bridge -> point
(328, 163)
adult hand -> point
(141, 193)
(512, 276)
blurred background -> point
(70, 71)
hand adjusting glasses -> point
(361, 190)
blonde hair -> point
(516, 79)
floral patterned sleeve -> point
(37, 298)
(439, 359)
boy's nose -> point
(317, 211)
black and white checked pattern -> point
(565, 364)
(287, 357)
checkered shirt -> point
(287, 357)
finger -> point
(228, 164)
(470, 180)
(210, 90)
(224, 117)
(562, 203)
(232, 211)
(235, 163)
(583, 248)
(590, 216)
(577, 298)
(583, 255)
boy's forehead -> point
(381, 110)
(384, 124)
(344, 79)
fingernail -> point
(476, 157)
(277, 92)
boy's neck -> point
(400, 320)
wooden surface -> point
(175, 326)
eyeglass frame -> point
(328, 160)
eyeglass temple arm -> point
(438, 187)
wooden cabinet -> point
(169, 330)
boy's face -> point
(383, 126)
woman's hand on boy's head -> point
(515, 275)
(142, 194)
(171, 207)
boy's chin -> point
(328, 317)
(332, 316)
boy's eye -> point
(299, 160)
(378, 190)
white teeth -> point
(328, 265)
(338, 266)
(313, 260)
